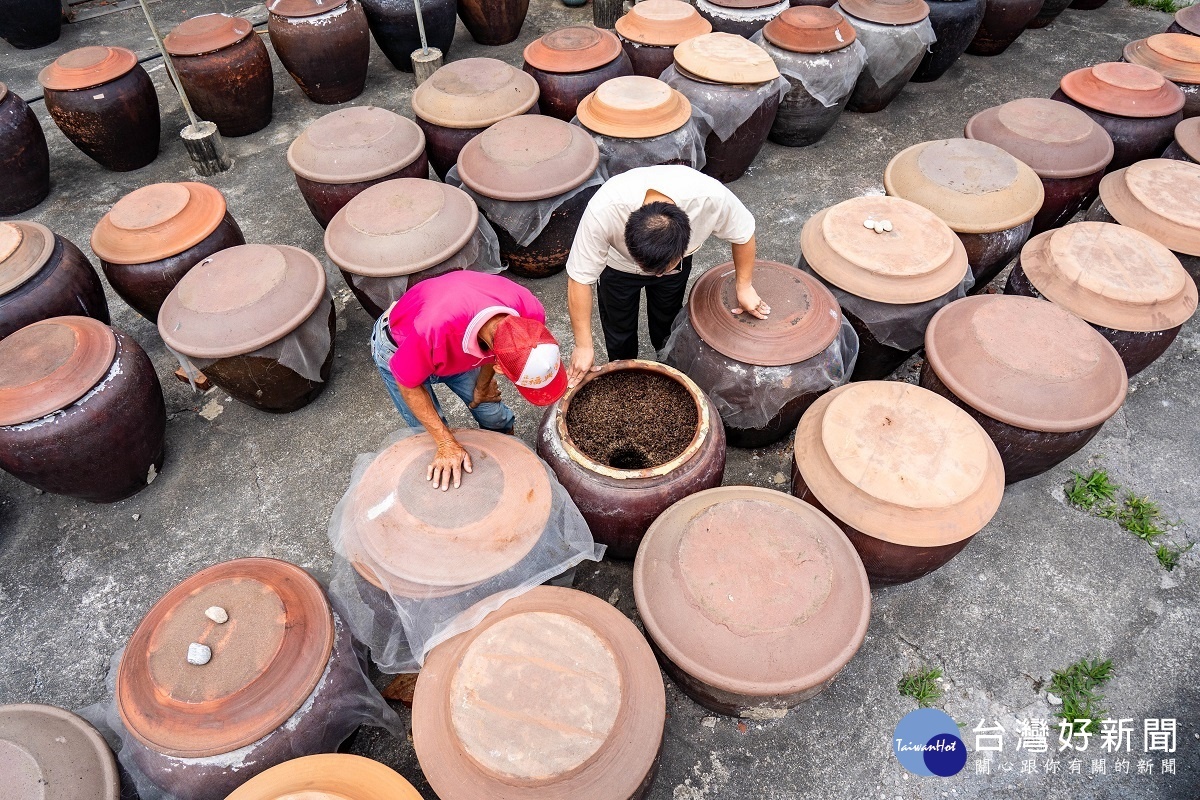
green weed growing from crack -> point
(921, 686)
(1078, 686)
(1095, 493)
(1141, 516)
(1166, 6)
(1169, 555)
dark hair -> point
(657, 236)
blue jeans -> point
(490, 416)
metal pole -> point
(421, 26)
(170, 66)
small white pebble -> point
(1053, 699)
(887, 224)
(879, 227)
(198, 654)
(136, 517)
(217, 615)
(709, 722)
(868, 223)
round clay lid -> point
(401, 226)
(1110, 275)
(575, 49)
(47, 753)
(240, 299)
(725, 58)
(530, 157)
(1159, 197)
(634, 107)
(887, 12)
(87, 67)
(3, 91)
(1055, 139)
(1188, 18)
(266, 659)
(1125, 90)
(206, 33)
(899, 463)
(554, 694)
(1026, 362)
(1187, 136)
(698, 581)
(810, 29)
(664, 23)
(158, 221)
(303, 8)
(1175, 56)
(973, 186)
(474, 93)
(919, 259)
(47, 366)
(25, 247)
(355, 144)
(327, 776)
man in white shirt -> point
(639, 232)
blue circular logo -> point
(926, 743)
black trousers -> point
(620, 296)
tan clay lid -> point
(700, 581)
(355, 144)
(1159, 197)
(1188, 18)
(47, 366)
(240, 299)
(25, 247)
(555, 694)
(1175, 56)
(578, 48)
(87, 67)
(1026, 362)
(726, 58)
(47, 753)
(973, 186)
(664, 23)
(1187, 136)
(474, 93)
(899, 463)
(1110, 275)
(810, 29)
(328, 776)
(3, 91)
(303, 8)
(634, 107)
(920, 259)
(530, 157)
(206, 33)
(158, 221)
(1126, 90)
(887, 12)
(1056, 140)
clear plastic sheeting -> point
(723, 108)
(828, 77)
(685, 145)
(523, 220)
(740, 17)
(890, 48)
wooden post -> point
(605, 13)
(425, 63)
(206, 147)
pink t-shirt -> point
(436, 323)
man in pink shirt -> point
(460, 329)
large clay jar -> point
(635, 462)
(46, 747)
(1136, 106)
(896, 35)
(731, 648)
(226, 71)
(29, 24)
(1062, 145)
(1128, 286)
(641, 122)
(1175, 56)
(762, 374)
(571, 63)
(652, 28)
(522, 167)
(152, 236)
(324, 47)
(24, 156)
(1186, 146)
(1087, 5)
(741, 17)
(493, 22)
(394, 26)
(1003, 22)
(81, 410)
(464, 98)
(985, 195)
(1187, 20)
(955, 23)
(258, 320)
(351, 149)
(44, 275)
(104, 102)
(554, 694)
(889, 278)
(339, 775)
(1048, 13)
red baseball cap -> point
(529, 355)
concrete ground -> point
(1042, 586)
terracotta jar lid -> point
(530, 157)
(554, 694)
(1026, 362)
(1110, 275)
(1187, 136)
(265, 660)
(1188, 18)
(25, 247)
(1159, 197)
(634, 107)
(1055, 139)
(355, 144)
(303, 8)
(401, 226)
(47, 366)
(87, 67)
(47, 753)
(804, 320)
(158, 221)
(474, 93)
(899, 463)
(810, 29)
(725, 58)
(699, 578)
(919, 259)
(1175, 56)
(973, 186)
(575, 49)
(207, 33)
(887, 12)
(1124, 90)
(240, 299)
(327, 776)
(3, 91)
(664, 23)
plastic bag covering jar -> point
(571, 63)
(44, 747)
(888, 283)
(258, 320)
(1128, 286)
(1175, 56)
(415, 567)
(818, 52)
(762, 374)
(338, 775)
(954, 23)
(81, 410)
(1003, 22)
(324, 47)
(554, 694)
(740, 17)
(650, 30)
(24, 156)
(1186, 146)
(896, 35)
(280, 673)
(44, 275)
(907, 475)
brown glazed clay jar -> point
(1175, 56)
(740, 17)
(30, 24)
(493, 23)
(885, 26)
(571, 63)
(24, 156)
(48, 746)
(651, 29)
(44, 275)
(1003, 22)
(325, 48)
